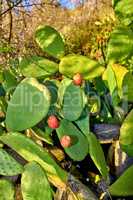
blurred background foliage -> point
(85, 26)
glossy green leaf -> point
(126, 134)
(97, 155)
(29, 104)
(73, 102)
(34, 183)
(50, 41)
(72, 64)
(8, 165)
(30, 151)
(127, 86)
(36, 66)
(79, 148)
(6, 190)
(120, 46)
(123, 186)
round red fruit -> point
(66, 141)
(53, 122)
(77, 79)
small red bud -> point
(53, 122)
(77, 79)
(66, 141)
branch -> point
(28, 5)
(37, 4)
(11, 21)
(11, 7)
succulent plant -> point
(52, 99)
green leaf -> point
(72, 64)
(114, 76)
(34, 183)
(50, 41)
(120, 46)
(114, 2)
(52, 85)
(124, 11)
(127, 86)
(83, 123)
(28, 106)
(100, 86)
(79, 148)
(9, 82)
(124, 184)
(126, 134)
(6, 190)
(97, 155)
(62, 88)
(110, 80)
(105, 113)
(30, 151)
(36, 66)
(94, 104)
(73, 102)
(120, 73)
(1, 77)
(8, 165)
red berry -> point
(66, 141)
(53, 122)
(77, 79)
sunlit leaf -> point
(124, 10)
(34, 183)
(110, 80)
(6, 190)
(124, 184)
(120, 46)
(36, 66)
(72, 64)
(127, 87)
(50, 41)
(126, 134)
(29, 104)
(30, 151)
